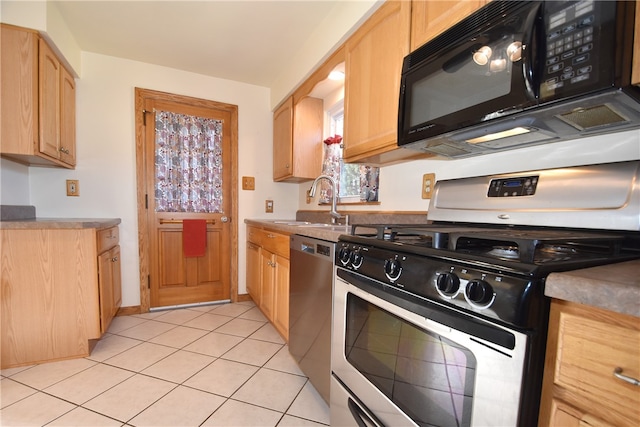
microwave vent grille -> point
(585, 119)
(464, 29)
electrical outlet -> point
(73, 187)
(428, 182)
(248, 183)
(268, 206)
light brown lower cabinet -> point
(60, 290)
(268, 275)
(585, 348)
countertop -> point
(328, 233)
(59, 223)
(614, 287)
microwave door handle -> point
(361, 417)
(532, 38)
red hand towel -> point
(194, 237)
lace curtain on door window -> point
(188, 163)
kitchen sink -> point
(332, 227)
(323, 225)
(292, 222)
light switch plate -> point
(268, 206)
(248, 183)
(73, 187)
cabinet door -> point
(281, 309)
(116, 265)
(19, 88)
(267, 284)
(585, 345)
(430, 18)
(253, 272)
(374, 56)
(283, 141)
(67, 117)
(308, 118)
(105, 287)
(49, 101)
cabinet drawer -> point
(589, 349)
(108, 238)
(254, 235)
(272, 241)
(276, 243)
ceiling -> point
(241, 40)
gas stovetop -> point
(491, 271)
(536, 246)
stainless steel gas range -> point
(445, 324)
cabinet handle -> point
(271, 236)
(618, 374)
(64, 150)
(114, 259)
(271, 264)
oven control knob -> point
(448, 284)
(479, 292)
(356, 258)
(344, 255)
(392, 269)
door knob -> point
(224, 219)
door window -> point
(188, 163)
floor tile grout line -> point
(281, 345)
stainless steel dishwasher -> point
(310, 302)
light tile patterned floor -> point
(217, 365)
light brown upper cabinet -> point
(430, 18)
(374, 56)
(37, 103)
(297, 140)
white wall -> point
(344, 19)
(401, 185)
(14, 183)
(106, 152)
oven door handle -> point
(362, 418)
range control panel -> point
(513, 187)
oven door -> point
(400, 362)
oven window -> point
(427, 376)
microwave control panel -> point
(572, 36)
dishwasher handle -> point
(314, 247)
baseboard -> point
(128, 311)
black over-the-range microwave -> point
(519, 73)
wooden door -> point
(175, 279)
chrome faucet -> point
(334, 196)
